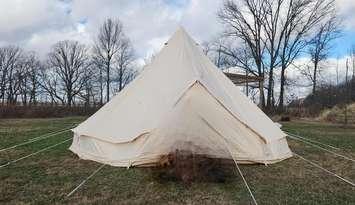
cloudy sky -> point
(37, 24)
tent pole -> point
(42, 137)
(39, 151)
(85, 180)
(324, 169)
(319, 147)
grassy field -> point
(46, 178)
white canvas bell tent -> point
(180, 101)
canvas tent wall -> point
(179, 101)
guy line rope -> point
(324, 169)
(309, 142)
(319, 147)
(85, 180)
(35, 153)
(35, 139)
(239, 171)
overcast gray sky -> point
(37, 24)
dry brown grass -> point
(47, 178)
(337, 114)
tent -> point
(181, 101)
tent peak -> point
(180, 28)
(180, 33)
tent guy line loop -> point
(314, 141)
(42, 137)
(85, 180)
(319, 147)
(326, 170)
(35, 153)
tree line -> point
(261, 37)
(72, 73)
(265, 37)
(328, 94)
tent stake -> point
(319, 147)
(42, 137)
(39, 151)
(324, 169)
(310, 140)
(85, 180)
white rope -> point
(85, 180)
(240, 171)
(42, 137)
(245, 182)
(314, 141)
(319, 147)
(329, 172)
(39, 151)
(235, 161)
(50, 133)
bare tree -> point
(275, 32)
(49, 82)
(107, 45)
(99, 67)
(352, 55)
(124, 60)
(347, 93)
(238, 56)
(33, 76)
(319, 47)
(214, 50)
(244, 20)
(15, 77)
(87, 94)
(27, 77)
(9, 57)
(301, 18)
(22, 74)
(69, 61)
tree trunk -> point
(270, 89)
(262, 95)
(120, 79)
(261, 85)
(108, 82)
(101, 88)
(69, 98)
(246, 82)
(3, 95)
(33, 95)
(315, 78)
(25, 92)
(282, 88)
